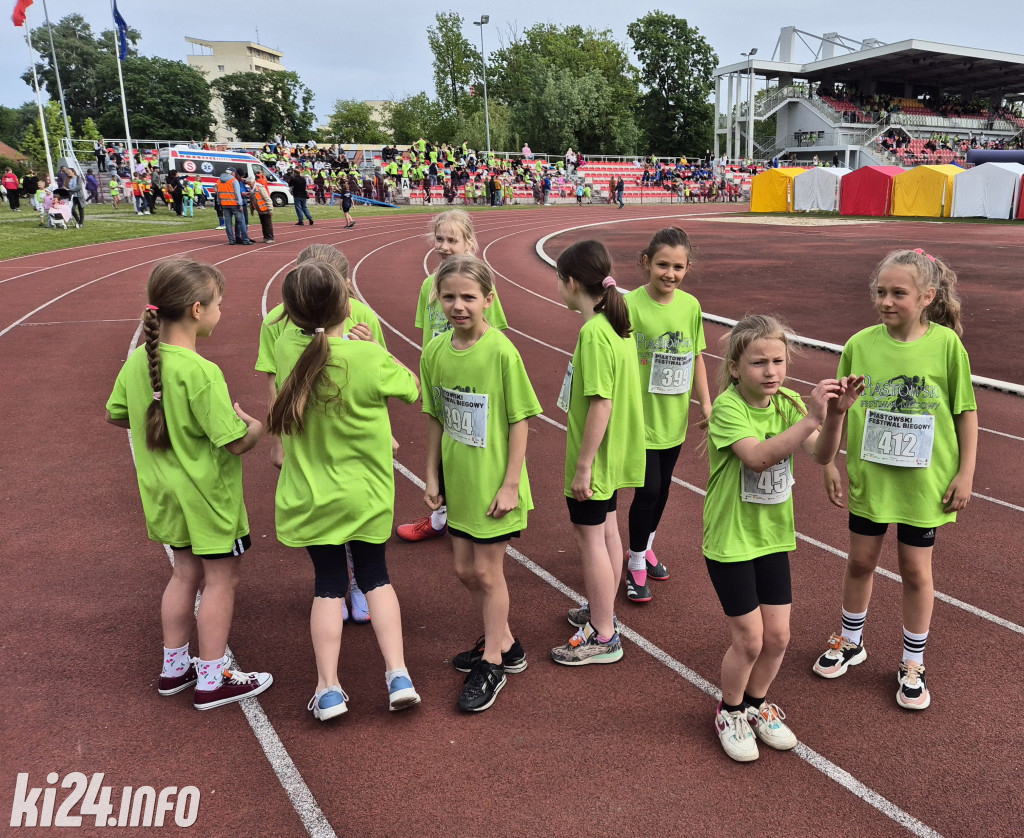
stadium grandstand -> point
(868, 103)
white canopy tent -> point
(818, 189)
(990, 190)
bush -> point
(19, 168)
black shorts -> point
(240, 546)
(590, 513)
(494, 539)
(905, 533)
(744, 586)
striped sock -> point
(913, 646)
(853, 626)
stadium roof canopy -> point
(953, 69)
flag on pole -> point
(19, 12)
(122, 33)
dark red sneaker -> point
(234, 687)
(173, 686)
(420, 530)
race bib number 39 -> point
(898, 439)
(465, 417)
(566, 391)
(670, 374)
(773, 485)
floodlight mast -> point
(484, 19)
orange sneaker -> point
(420, 530)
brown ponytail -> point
(316, 298)
(929, 272)
(589, 263)
(175, 285)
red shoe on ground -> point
(420, 530)
(173, 686)
(234, 687)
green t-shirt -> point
(275, 324)
(430, 317)
(192, 493)
(748, 515)
(669, 339)
(337, 483)
(928, 377)
(604, 365)
(476, 394)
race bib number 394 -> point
(465, 417)
(898, 439)
(670, 374)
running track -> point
(620, 750)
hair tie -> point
(318, 330)
(608, 282)
(152, 307)
(157, 395)
(919, 250)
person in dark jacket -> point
(297, 183)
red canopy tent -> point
(868, 191)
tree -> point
(353, 122)
(89, 131)
(259, 105)
(457, 62)
(592, 68)
(418, 116)
(677, 66)
(14, 122)
(32, 144)
(166, 100)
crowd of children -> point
(902, 392)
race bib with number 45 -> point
(465, 417)
(773, 485)
(898, 439)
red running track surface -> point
(627, 749)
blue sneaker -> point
(328, 703)
(402, 694)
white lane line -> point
(817, 761)
(301, 798)
(538, 340)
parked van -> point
(208, 166)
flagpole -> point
(60, 87)
(124, 103)
(39, 100)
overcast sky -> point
(340, 53)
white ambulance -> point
(208, 166)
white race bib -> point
(898, 439)
(773, 485)
(566, 391)
(670, 374)
(465, 417)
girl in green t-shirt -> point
(669, 334)
(479, 400)
(335, 495)
(190, 476)
(755, 427)
(601, 395)
(911, 450)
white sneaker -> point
(735, 735)
(766, 722)
(328, 703)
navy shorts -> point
(494, 539)
(240, 546)
(590, 513)
(905, 533)
(742, 587)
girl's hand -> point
(826, 391)
(360, 331)
(580, 486)
(432, 496)
(245, 417)
(834, 486)
(504, 502)
(958, 495)
(276, 452)
(851, 388)
(394, 447)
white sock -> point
(176, 661)
(853, 626)
(439, 519)
(650, 540)
(211, 673)
(391, 674)
(637, 561)
(913, 646)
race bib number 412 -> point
(898, 439)
(465, 417)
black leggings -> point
(76, 210)
(330, 565)
(649, 500)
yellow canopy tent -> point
(772, 190)
(924, 191)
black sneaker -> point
(514, 660)
(482, 686)
(655, 569)
(635, 592)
